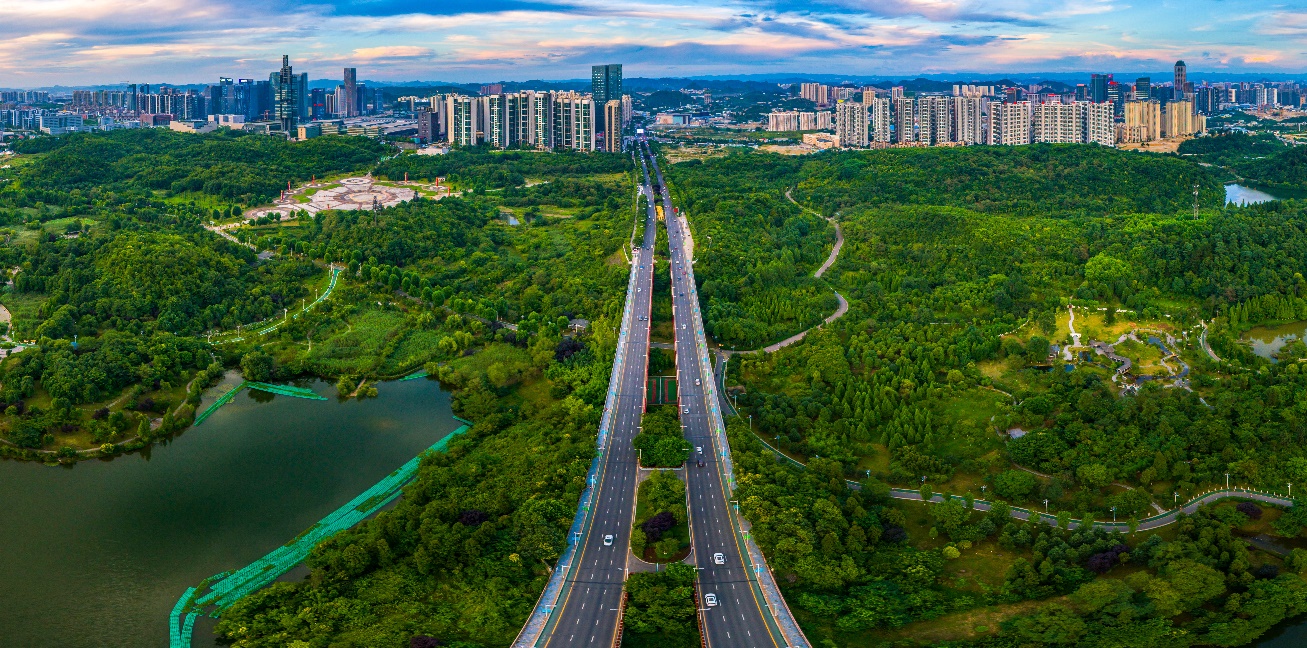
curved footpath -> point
(725, 354)
(1154, 522)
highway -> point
(738, 620)
(587, 614)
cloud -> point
(180, 41)
(392, 52)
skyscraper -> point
(1177, 90)
(286, 97)
(606, 83)
(1143, 89)
(1098, 87)
(351, 98)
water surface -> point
(1268, 340)
(96, 555)
(1240, 195)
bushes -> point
(660, 442)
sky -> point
(86, 42)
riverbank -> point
(130, 535)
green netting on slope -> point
(175, 636)
(286, 390)
(222, 400)
(414, 376)
(220, 592)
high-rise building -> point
(613, 126)
(303, 100)
(783, 121)
(285, 100)
(1009, 123)
(1143, 121)
(816, 93)
(1181, 72)
(606, 83)
(428, 125)
(1057, 123)
(1143, 89)
(351, 96)
(969, 119)
(574, 121)
(880, 120)
(905, 120)
(1098, 87)
(1100, 123)
(1181, 121)
(463, 120)
(492, 89)
(935, 125)
(851, 124)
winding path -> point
(1202, 341)
(839, 310)
(1148, 523)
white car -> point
(696, 381)
(608, 540)
(710, 600)
(685, 410)
(718, 559)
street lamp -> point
(1227, 481)
(1176, 501)
(1113, 515)
(1045, 506)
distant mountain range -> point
(757, 82)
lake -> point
(98, 553)
(1241, 195)
(1268, 340)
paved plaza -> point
(348, 193)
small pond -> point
(1268, 340)
(1240, 195)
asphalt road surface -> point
(588, 610)
(737, 620)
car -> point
(608, 540)
(696, 381)
(718, 559)
(710, 599)
(685, 410)
(698, 449)
(701, 463)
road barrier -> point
(218, 593)
(541, 615)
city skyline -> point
(65, 43)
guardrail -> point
(541, 615)
(781, 618)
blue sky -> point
(47, 42)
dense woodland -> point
(958, 291)
(958, 264)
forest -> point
(958, 295)
(100, 264)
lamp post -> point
(1113, 515)
(1175, 501)
(1227, 481)
(1045, 506)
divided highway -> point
(740, 617)
(587, 605)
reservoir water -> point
(1240, 195)
(96, 554)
